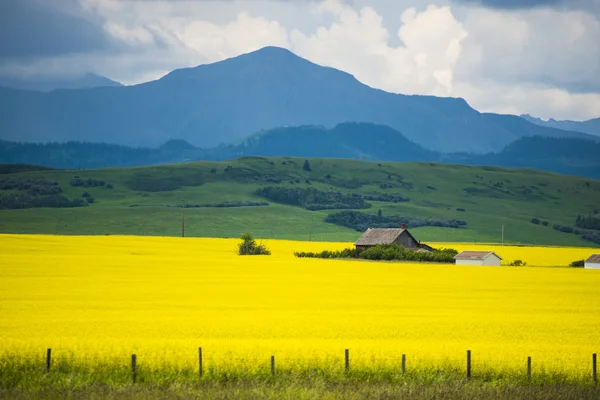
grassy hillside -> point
(139, 201)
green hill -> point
(222, 200)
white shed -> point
(593, 261)
(477, 258)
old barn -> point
(374, 236)
(593, 261)
(477, 258)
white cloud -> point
(422, 63)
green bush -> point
(396, 252)
(387, 252)
(518, 263)
(249, 247)
(577, 264)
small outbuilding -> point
(374, 236)
(593, 262)
(477, 258)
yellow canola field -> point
(107, 297)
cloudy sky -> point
(540, 57)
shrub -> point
(77, 181)
(312, 199)
(306, 166)
(85, 194)
(562, 228)
(387, 252)
(249, 247)
(535, 221)
(109, 186)
(589, 222)
(14, 201)
(577, 264)
(388, 198)
(461, 209)
(361, 221)
(545, 223)
(90, 200)
(518, 263)
(592, 237)
(396, 252)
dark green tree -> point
(306, 166)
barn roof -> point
(374, 236)
(594, 258)
(474, 255)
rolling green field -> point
(143, 201)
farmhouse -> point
(401, 236)
(477, 258)
(593, 261)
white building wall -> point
(469, 262)
(491, 260)
(592, 265)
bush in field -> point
(346, 253)
(387, 252)
(535, 221)
(518, 263)
(396, 252)
(577, 264)
(249, 247)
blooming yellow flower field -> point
(106, 297)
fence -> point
(403, 368)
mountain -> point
(591, 126)
(228, 100)
(49, 83)
(346, 140)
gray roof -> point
(594, 258)
(474, 255)
(374, 236)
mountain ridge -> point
(591, 127)
(226, 101)
(346, 140)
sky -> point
(540, 57)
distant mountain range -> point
(348, 140)
(228, 100)
(591, 126)
(49, 83)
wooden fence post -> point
(200, 362)
(347, 359)
(594, 369)
(468, 364)
(403, 363)
(48, 359)
(529, 368)
(133, 367)
(273, 365)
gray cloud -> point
(588, 5)
(31, 29)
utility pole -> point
(182, 221)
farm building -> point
(477, 258)
(401, 236)
(593, 261)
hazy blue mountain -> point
(228, 100)
(591, 126)
(562, 155)
(49, 83)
